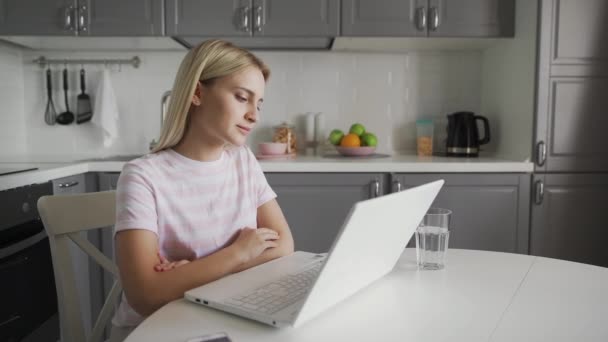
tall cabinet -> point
(569, 185)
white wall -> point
(508, 87)
(12, 120)
(385, 92)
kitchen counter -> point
(397, 163)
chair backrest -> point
(64, 217)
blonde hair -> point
(208, 61)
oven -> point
(28, 309)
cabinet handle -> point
(13, 318)
(541, 153)
(257, 23)
(82, 25)
(421, 18)
(68, 15)
(68, 184)
(245, 19)
(375, 187)
(396, 185)
(539, 192)
(434, 14)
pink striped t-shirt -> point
(195, 208)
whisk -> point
(50, 114)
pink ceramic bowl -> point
(356, 151)
(272, 148)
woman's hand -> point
(251, 242)
(165, 265)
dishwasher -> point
(27, 283)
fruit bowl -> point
(356, 151)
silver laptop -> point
(291, 290)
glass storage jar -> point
(285, 133)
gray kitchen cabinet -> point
(69, 185)
(573, 36)
(244, 18)
(571, 124)
(383, 18)
(208, 17)
(35, 17)
(489, 211)
(293, 18)
(108, 180)
(432, 18)
(471, 18)
(81, 17)
(572, 85)
(121, 18)
(568, 217)
(316, 204)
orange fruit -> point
(350, 140)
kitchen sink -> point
(123, 157)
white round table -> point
(479, 296)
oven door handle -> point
(21, 245)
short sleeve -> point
(135, 201)
(264, 192)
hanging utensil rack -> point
(43, 61)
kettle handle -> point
(486, 129)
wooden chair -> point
(64, 218)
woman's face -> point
(227, 110)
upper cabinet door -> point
(37, 17)
(304, 18)
(579, 33)
(572, 124)
(471, 18)
(120, 18)
(208, 17)
(403, 18)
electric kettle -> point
(463, 134)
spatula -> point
(83, 105)
(66, 117)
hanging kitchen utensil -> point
(66, 117)
(83, 104)
(49, 114)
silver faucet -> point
(163, 111)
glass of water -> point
(432, 238)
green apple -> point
(357, 129)
(336, 136)
(369, 139)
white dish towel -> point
(105, 109)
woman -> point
(199, 207)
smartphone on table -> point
(215, 337)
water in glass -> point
(431, 246)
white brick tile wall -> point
(12, 122)
(385, 92)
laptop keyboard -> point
(279, 294)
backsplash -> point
(386, 92)
(13, 138)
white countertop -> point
(397, 163)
